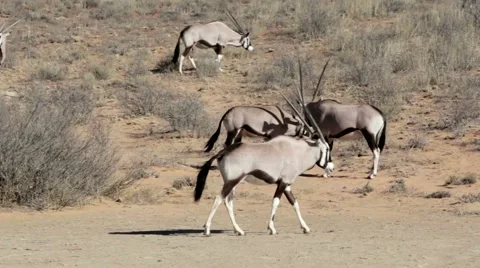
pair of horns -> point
(300, 97)
(2, 30)
(234, 21)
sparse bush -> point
(46, 158)
(314, 20)
(145, 100)
(398, 187)
(283, 73)
(100, 71)
(417, 142)
(364, 190)
(183, 182)
(465, 180)
(206, 67)
(184, 114)
(52, 72)
(118, 9)
(91, 3)
(465, 106)
(438, 195)
(187, 114)
(138, 66)
(470, 198)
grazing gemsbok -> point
(214, 35)
(267, 121)
(279, 160)
(3, 41)
(343, 121)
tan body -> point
(348, 122)
(278, 161)
(266, 121)
(215, 35)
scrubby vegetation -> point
(75, 66)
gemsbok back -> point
(266, 121)
(3, 41)
(347, 122)
(215, 35)
(279, 160)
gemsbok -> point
(279, 160)
(3, 41)
(215, 35)
(347, 122)
(266, 121)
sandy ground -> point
(348, 230)
(377, 230)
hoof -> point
(242, 233)
(306, 231)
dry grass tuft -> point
(183, 182)
(470, 198)
(464, 180)
(439, 195)
(52, 154)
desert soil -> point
(155, 226)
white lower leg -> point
(328, 169)
(219, 58)
(180, 66)
(271, 225)
(299, 215)
(193, 62)
(376, 159)
(216, 203)
(229, 205)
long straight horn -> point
(301, 82)
(1, 28)
(305, 110)
(319, 80)
(12, 25)
(234, 21)
(307, 127)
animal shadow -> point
(168, 232)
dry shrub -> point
(51, 154)
(101, 71)
(52, 72)
(184, 113)
(138, 66)
(470, 198)
(371, 8)
(118, 9)
(284, 73)
(364, 190)
(465, 105)
(398, 187)
(419, 141)
(467, 179)
(438, 195)
(183, 182)
(206, 66)
(315, 20)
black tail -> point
(209, 146)
(211, 142)
(383, 136)
(202, 178)
(176, 53)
